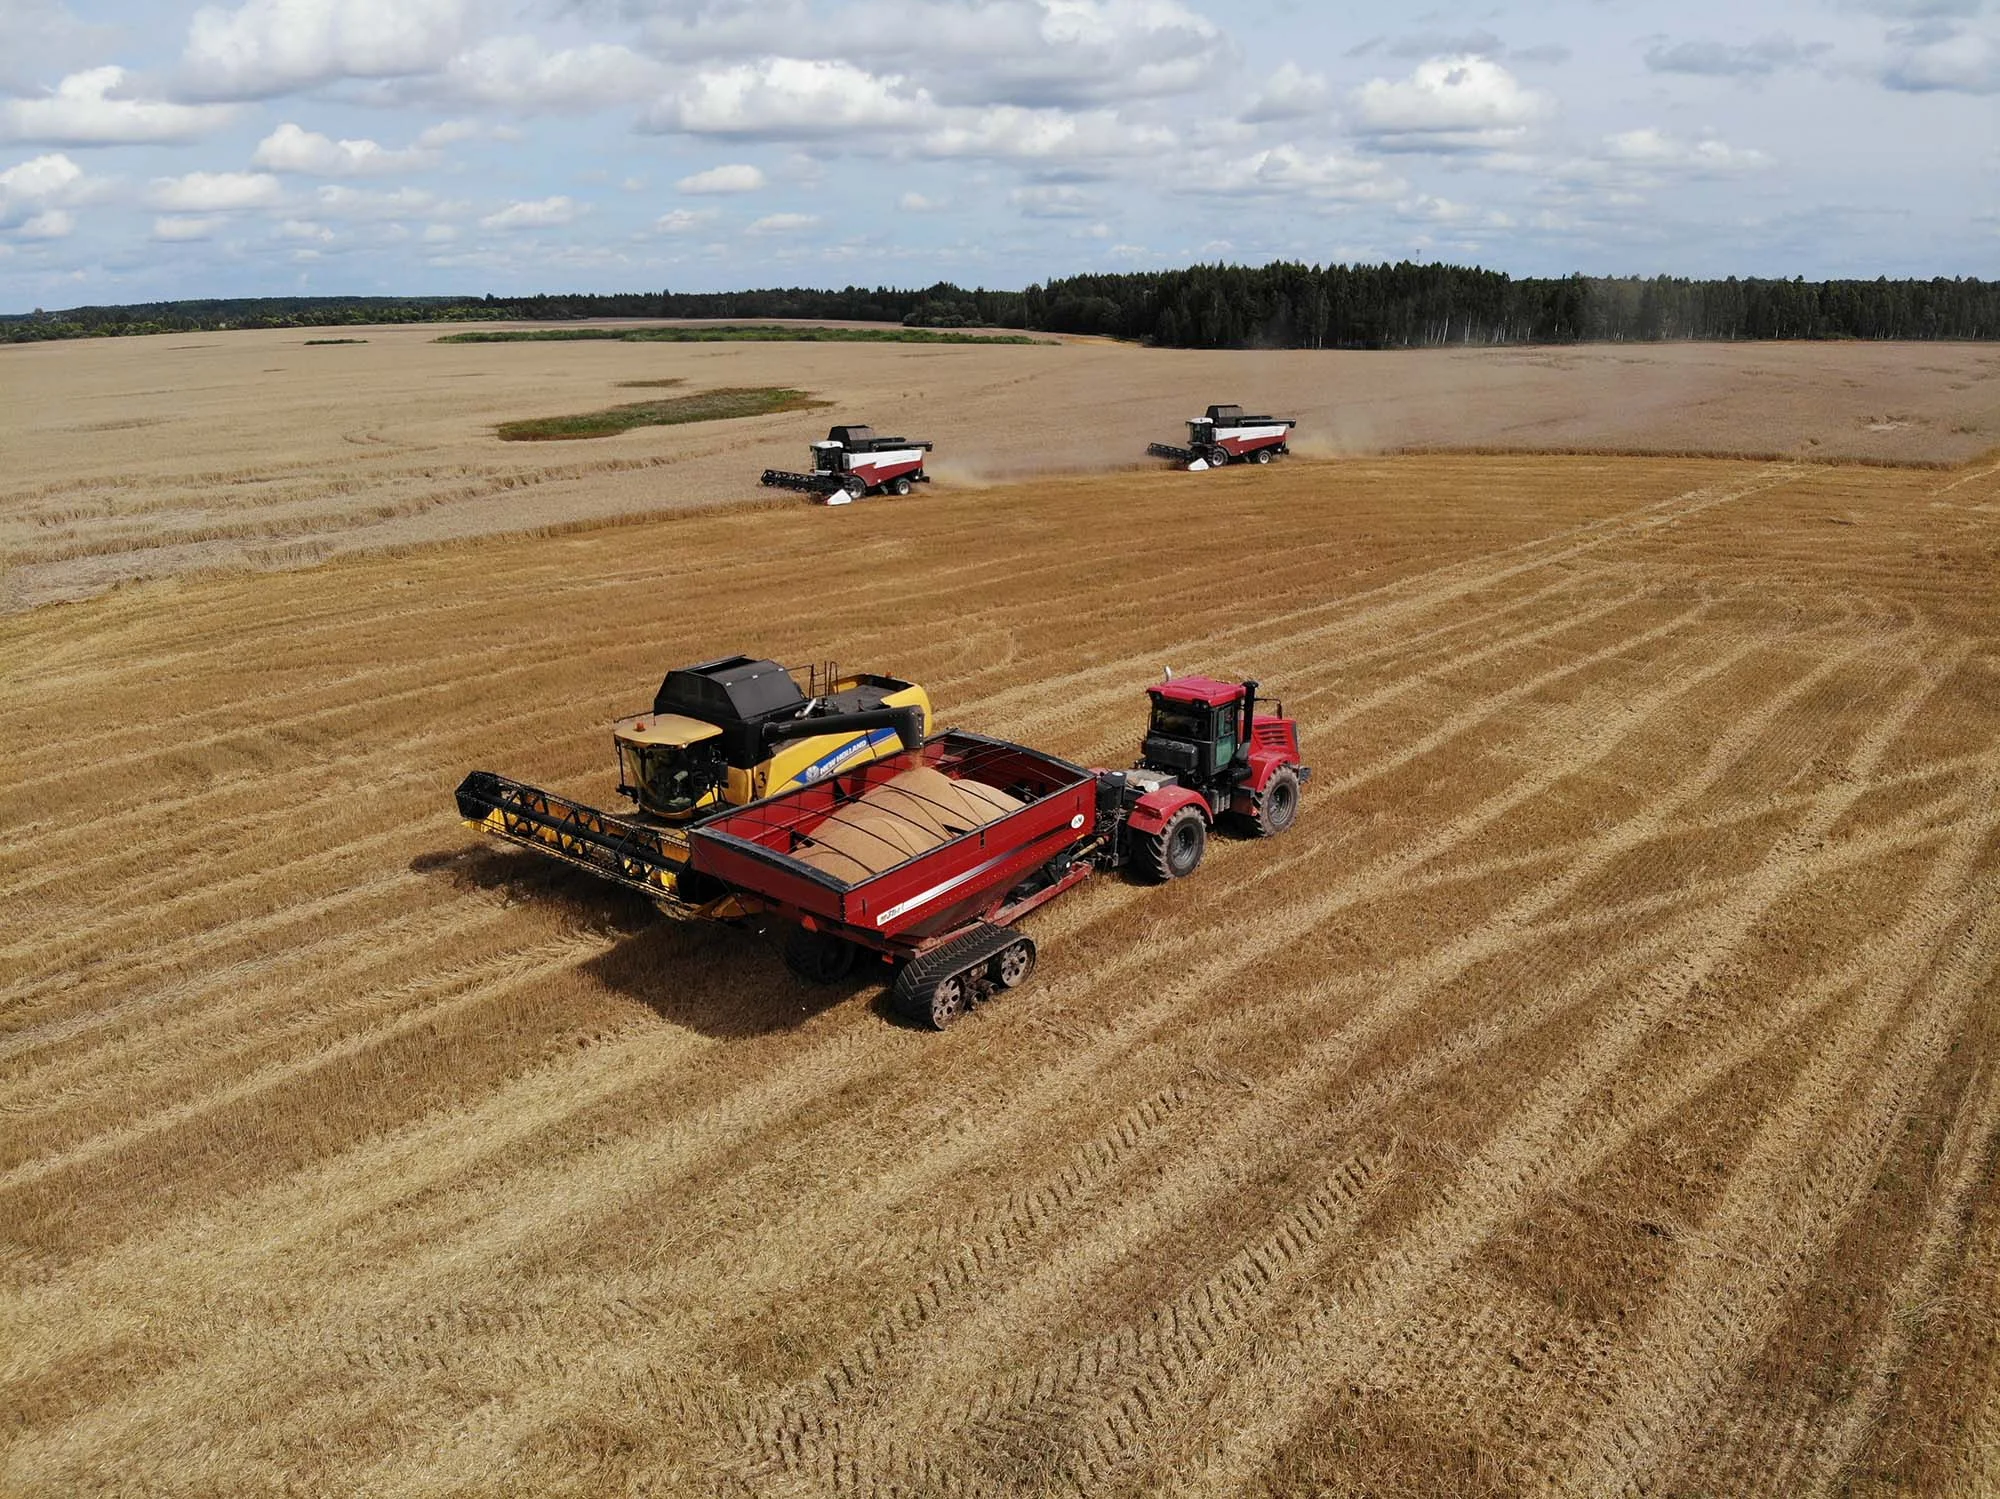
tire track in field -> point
(1189, 993)
(636, 1311)
(1249, 1137)
(166, 1056)
(536, 1206)
(1543, 1144)
(1808, 1167)
(1814, 1454)
(803, 1419)
(1383, 607)
(20, 1033)
(429, 998)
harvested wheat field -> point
(1596, 1092)
(179, 454)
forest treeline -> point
(1283, 305)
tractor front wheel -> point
(1175, 851)
(1279, 808)
(1218, 456)
(856, 486)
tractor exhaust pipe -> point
(907, 722)
(1249, 713)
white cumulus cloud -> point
(1056, 201)
(682, 220)
(784, 223)
(734, 178)
(83, 112)
(1463, 103)
(1286, 171)
(213, 192)
(1943, 57)
(1656, 149)
(1008, 133)
(1291, 93)
(376, 204)
(268, 47)
(175, 228)
(1032, 53)
(522, 73)
(541, 213)
(39, 186)
(790, 97)
(50, 223)
(290, 148)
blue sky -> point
(432, 146)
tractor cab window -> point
(1173, 720)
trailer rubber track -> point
(916, 986)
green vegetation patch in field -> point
(315, 342)
(708, 406)
(649, 384)
(735, 333)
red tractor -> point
(1208, 752)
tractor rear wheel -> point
(900, 488)
(818, 958)
(1262, 455)
(1279, 808)
(1175, 851)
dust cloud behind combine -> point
(1595, 1093)
(182, 453)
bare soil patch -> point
(143, 458)
(1594, 1093)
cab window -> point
(1181, 721)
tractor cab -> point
(1197, 730)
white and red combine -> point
(853, 463)
(1225, 436)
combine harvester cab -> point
(853, 463)
(1225, 436)
(721, 733)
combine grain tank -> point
(1224, 436)
(852, 463)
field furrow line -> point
(1606, 737)
(1809, 1167)
(422, 1001)
(254, 1016)
(81, 946)
(1386, 605)
(1100, 1397)
(1821, 1453)
(1545, 1143)
(1249, 1138)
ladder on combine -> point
(640, 856)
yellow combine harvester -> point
(721, 734)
